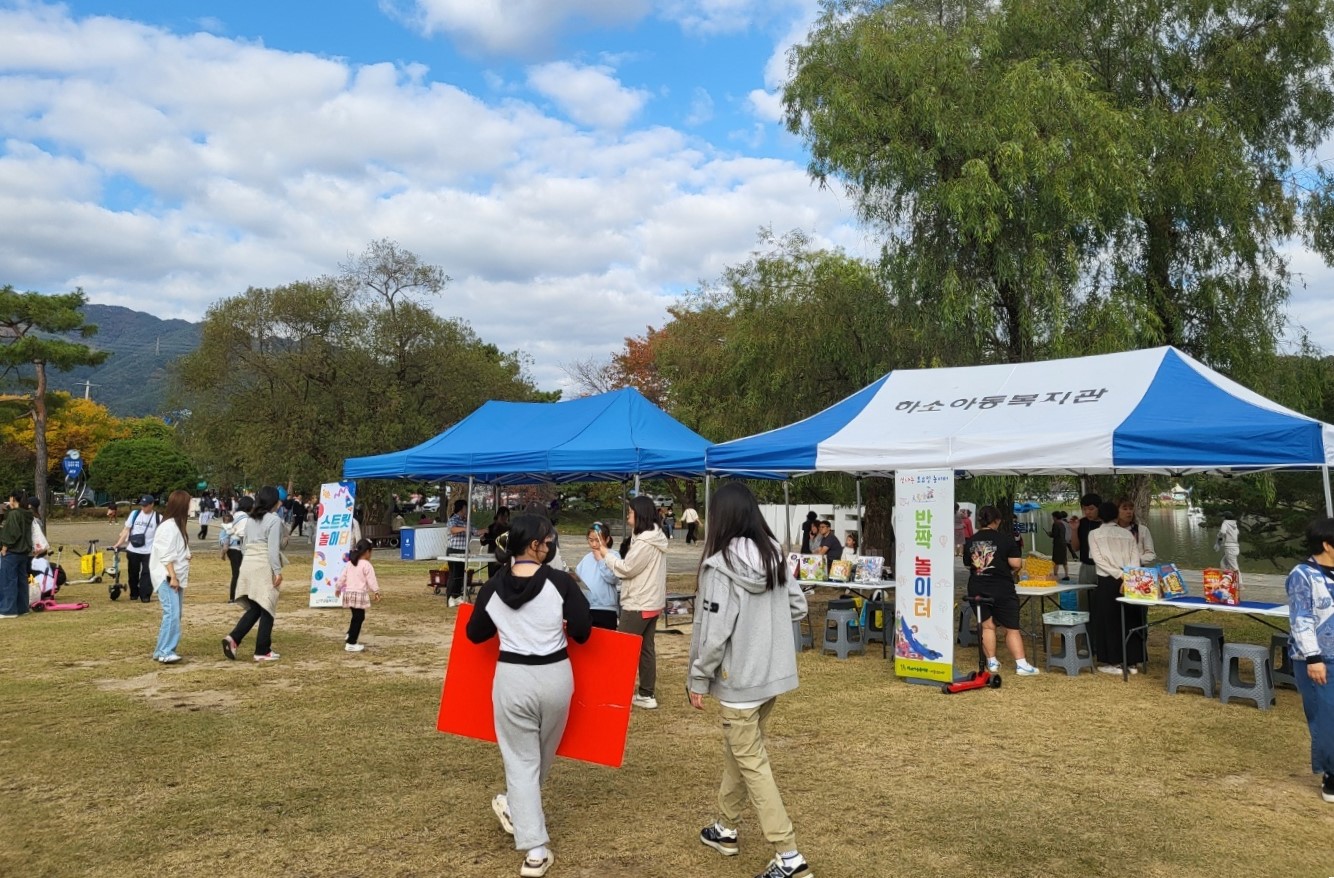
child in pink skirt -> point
(358, 587)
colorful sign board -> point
(604, 679)
(924, 571)
(333, 540)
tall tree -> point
(1057, 165)
(30, 328)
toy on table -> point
(840, 571)
(869, 568)
(812, 569)
(1222, 586)
(1140, 583)
(1170, 583)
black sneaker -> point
(229, 647)
(777, 869)
(721, 840)
(1327, 789)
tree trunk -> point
(39, 437)
(877, 536)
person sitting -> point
(829, 546)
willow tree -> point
(1079, 175)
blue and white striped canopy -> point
(1155, 411)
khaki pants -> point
(748, 776)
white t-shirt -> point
(145, 523)
(169, 545)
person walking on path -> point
(261, 577)
(604, 599)
(358, 587)
(299, 516)
(690, 518)
(1310, 588)
(741, 653)
(1228, 542)
(207, 507)
(533, 609)
(169, 567)
(643, 574)
(136, 538)
(233, 539)
(15, 556)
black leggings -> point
(354, 628)
(605, 619)
(264, 639)
(139, 581)
(234, 556)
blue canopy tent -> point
(1145, 411)
(609, 437)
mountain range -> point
(133, 380)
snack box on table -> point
(1222, 586)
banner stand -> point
(924, 571)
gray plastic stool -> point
(1261, 691)
(842, 633)
(1215, 635)
(1190, 664)
(966, 634)
(803, 639)
(1068, 657)
(1282, 665)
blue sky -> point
(583, 159)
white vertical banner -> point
(333, 540)
(924, 573)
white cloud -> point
(767, 103)
(511, 26)
(701, 108)
(767, 106)
(591, 96)
(252, 166)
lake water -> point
(1177, 540)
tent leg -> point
(787, 516)
(859, 511)
(636, 484)
(1329, 501)
(708, 493)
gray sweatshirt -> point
(743, 650)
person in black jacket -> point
(491, 539)
(532, 609)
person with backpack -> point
(136, 538)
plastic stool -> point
(803, 639)
(1282, 666)
(967, 634)
(1190, 664)
(1068, 658)
(1232, 686)
(842, 634)
(1215, 635)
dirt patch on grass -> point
(161, 694)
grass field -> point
(328, 763)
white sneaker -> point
(454, 602)
(353, 647)
(536, 868)
(501, 806)
(269, 656)
(1110, 669)
(648, 702)
(1026, 670)
(170, 659)
(993, 665)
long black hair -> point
(265, 499)
(735, 514)
(525, 529)
(359, 551)
(646, 518)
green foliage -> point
(127, 468)
(151, 428)
(290, 381)
(1080, 175)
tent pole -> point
(623, 515)
(787, 516)
(859, 512)
(636, 484)
(708, 492)
(468, 533)
(1329, 501)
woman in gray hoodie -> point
(743, 654)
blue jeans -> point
(13, 584)
(1318, 705)
(169, 635)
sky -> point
(582, 162)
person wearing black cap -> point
(136, 538)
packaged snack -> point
(1140, 583)
(1170, 583)
(1222, 586)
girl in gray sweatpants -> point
(531, 608)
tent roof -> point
(608, 437)
(1153, 410)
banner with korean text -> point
(333, 540)
(924, 571)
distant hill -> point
(132, 382)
